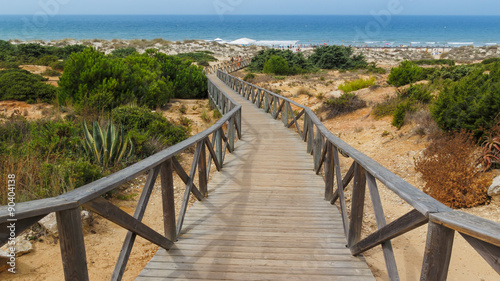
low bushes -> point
(344, 104)
(357, 84)
(449, 169)
(276, 65)
(337, 57)
(21, 85)
(406, 73)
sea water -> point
(348, 30)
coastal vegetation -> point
(102, 118)
(286, 62)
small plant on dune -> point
(217, 114)
(346, 103)
(490, 148)
(249, 77)
(205, 117)
(183, 109)
(358, 84)
(303, 91)
(449, 169)
(106, 147)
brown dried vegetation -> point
(449, 169)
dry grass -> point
(449, 169)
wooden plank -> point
(21, 226)
(402, 225)
(138, 214)
(437, 253)
(69, 226)
(470, 225)
(114, 214)
(190, 275)
(311, 271)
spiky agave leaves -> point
(106, 147)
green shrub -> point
(203, 63)
(453, 73)
(142, 119)
(357, 84)
(9, 65)
(197, 57)
(471, 103)
(386, 108)
(337, 57)
(297, 63)
(46, 60)
(57, 65)
(490, 60)
(124, 52)
(407, 72)
(21, 85)
(408, 99)
(249, 77)
(51, 72)
(398, 117)
(276, 65)
(346, 103)
(373, 68)
(435, 62)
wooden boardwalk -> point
(265, 218)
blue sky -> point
(334, 7)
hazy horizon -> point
(254, 7)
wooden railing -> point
(228, 66)
(214, 141)
(483, 235)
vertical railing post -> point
(358, 203)
(329, 171)
(238, 121)
(310, 137)
(202, 171)
(69, 225)
(318, 144)
(230, 134)
(437, 253)
(218, 145)
(284, 113)
(167, 193)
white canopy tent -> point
(243, 41)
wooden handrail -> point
(482, 234)
(163, 164)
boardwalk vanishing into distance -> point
(265, 217)
(267, 212)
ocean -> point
(349, 30)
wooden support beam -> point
(390, 261)
(345, 182)
(116, 215)
(489, 252)
(21, 226)
(402, 225)
(185, 178)
(218, 146)
(343, 208)
(124, 255)
(437, 253)
(74, 259)
(189, 187)
(213, 155)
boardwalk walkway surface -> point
(265, 218)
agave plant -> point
(106, 147)
(490, 152)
